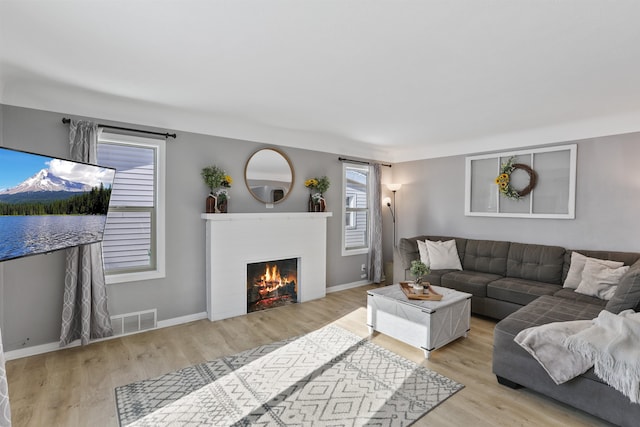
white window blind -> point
(355, 234)
(127, 240)
(130, 237)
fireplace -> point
(235, 240)
(272, 284)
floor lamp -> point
(387, 201)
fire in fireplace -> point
(272, 284)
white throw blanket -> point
(612, 344)
(544, 343)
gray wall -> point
(431, 201)
(33, 286)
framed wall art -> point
(534, 183)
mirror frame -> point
(293, 175)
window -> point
(350, 217)
(355, 196)
(133, 245)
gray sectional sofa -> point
(521, 285)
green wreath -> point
(504, 179)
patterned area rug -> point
(328, 377)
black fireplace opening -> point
(272, 284)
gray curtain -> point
(84, 311)
(5, 409)
(375, 231)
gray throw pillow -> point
(628, 293)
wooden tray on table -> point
(429, 295)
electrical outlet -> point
(363, 267)
(363, 276)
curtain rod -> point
(342, 159)
(66, 121)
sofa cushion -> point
(408, 250)
(443, 255)
(600, 281)
(540, 263)
(627, 295)
(461, 244)
(627, 258)
(547, 309)
(519, 291)
(424, 253)
(472, 282)
(578, 262)
(435, 276)
(571, 295)
(543, 310)
(486, 256)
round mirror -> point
(269, 175)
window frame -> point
(158, 232)
(348, 210)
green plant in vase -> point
(419, 269)
(218, 182)
(318, 187)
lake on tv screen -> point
(33, 234)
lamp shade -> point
(394, 187)
(386, 201)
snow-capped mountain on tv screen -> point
(48, 186)
(46, 181)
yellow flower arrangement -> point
(311, 183)
(215, 177)
(504, 179)
(321, 185)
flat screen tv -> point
(47, 203)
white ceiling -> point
(391, 80)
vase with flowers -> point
(318, 186)
(219, 183)
(419, 269)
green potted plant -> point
(218, 182)
(418, 269)
(318, 186)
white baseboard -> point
(54, 346)
(347, 286)
(37, 349)
(182, 319)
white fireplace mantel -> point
(237, 239)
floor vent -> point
(130, 323)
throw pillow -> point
(424, 253)
(443, 255)
(627, 295)
(600, 281)
(574, 276)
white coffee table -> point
(424, 324)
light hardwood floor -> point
(75, 387)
